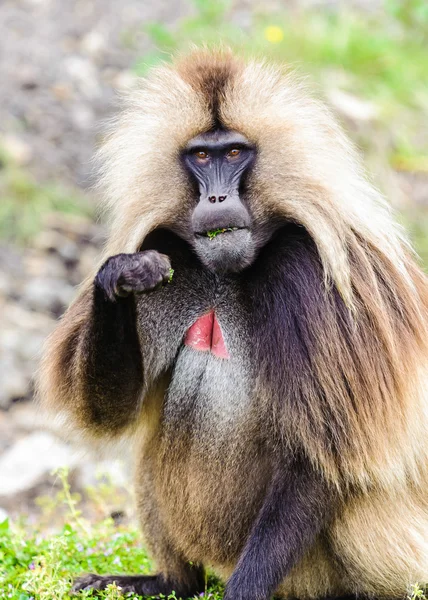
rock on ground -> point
(31, 459)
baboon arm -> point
(92, 369)
(296, 508)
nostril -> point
(212, 199)
(222, 198)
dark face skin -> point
(218, 163)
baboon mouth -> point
(213, 233)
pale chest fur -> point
(207, 407)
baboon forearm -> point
(295, 510)
(92, 368)
(110, 366)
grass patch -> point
(42, 567)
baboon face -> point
(221, 226)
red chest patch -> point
(205, 335)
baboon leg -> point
(296, 508)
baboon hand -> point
(125, 274)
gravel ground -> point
(61, 63)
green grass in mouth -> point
(212, 234)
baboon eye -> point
(201, 155)
(233, 153)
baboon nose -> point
(213, 199)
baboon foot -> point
(143, 585)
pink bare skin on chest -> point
(205, 335)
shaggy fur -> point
(302, 461)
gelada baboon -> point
(275, 389)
